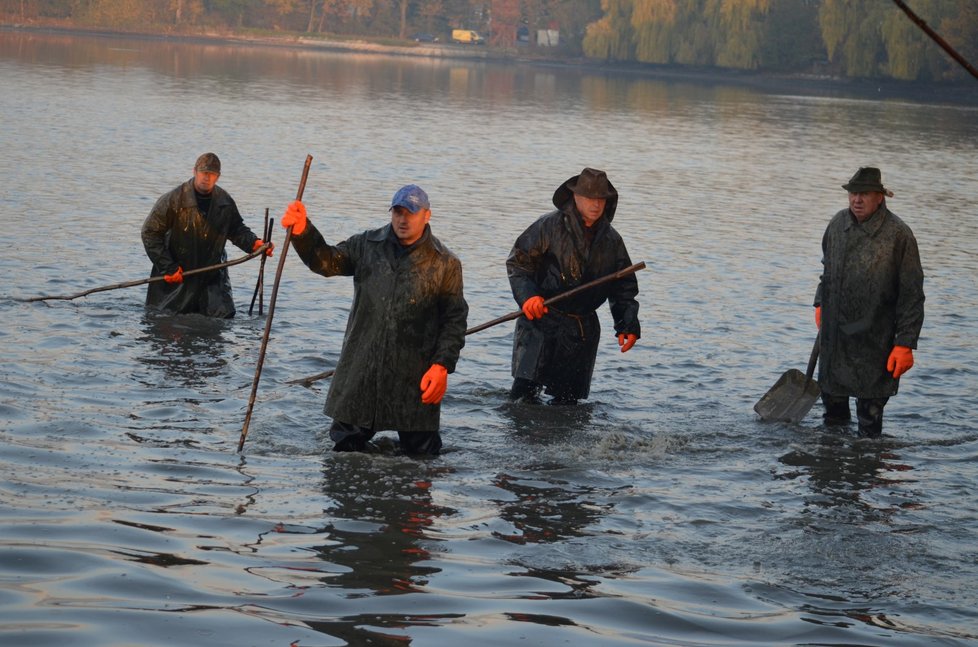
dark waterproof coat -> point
(872, 297)
(550, 257)
(408, 313)
(176, 234)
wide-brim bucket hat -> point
(589, 183)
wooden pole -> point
(261, 294)
(631, 269)
(153, 279)
(271, 309)
(260, 284)
(306, 381)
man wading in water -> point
(406, 325)
(869, 305)
(572, 245)
(186, 230)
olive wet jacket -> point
(176, 234)
(550, 257)
(872, 296)
(408, 313)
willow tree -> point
(912, 55)
(694, 38)
(791, 39)
(960, 28)
(740, 27)
(853, 34)
(652, 24)
(903, 42)
(610, 38)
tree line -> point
(848, 38)
(852, 38)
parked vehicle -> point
(467, 37)
(424, 38)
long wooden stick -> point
(261, 295)
(153, 279)
(271, 309)
(306, 381)
(260, 284)
(631, 269)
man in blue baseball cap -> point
(406, 326)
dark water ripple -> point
(659, 512)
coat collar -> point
(871, 225)
(387, 233)
(219, 197)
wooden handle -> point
(631, 269)
(271, 310)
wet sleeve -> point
(910, 301)
(323, 258)
(524, 262)
(623, 298)
(821, 278)
(154, 232)
(453, 312)
(238, 232)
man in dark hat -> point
(186, 230)
(406, 326)
(555, 349)
(869, 304)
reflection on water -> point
(379, 532)
(540, 423)
(379, 528)
(544, 510)
(189, 350)
(842, 470)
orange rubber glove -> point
(434, 383)
(818, 317)
(295, 217)
(900, 360)
(176, 277)
(626, 341)
(533, 308)
(260, 242)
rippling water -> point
(659, 512)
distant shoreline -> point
(965, 92)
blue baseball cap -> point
(411, 197)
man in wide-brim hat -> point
(555, 348)
(869, 304)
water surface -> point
(659, 512)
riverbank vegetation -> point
(838, 38)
